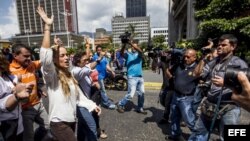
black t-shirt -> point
(184, 81)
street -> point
(131, 126)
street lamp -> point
(27, 31)
(66, 14)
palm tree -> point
(131, 29)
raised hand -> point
(44, 16)
(87, 41)
(23, 91)
(57, 41)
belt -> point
(183, 95)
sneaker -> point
(120, 109)
(141, 111)
(111, 106)
(103, 135)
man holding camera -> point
(218, 105)
(134, 74)
(243, 98)
(184, 88)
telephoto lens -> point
(231, 78)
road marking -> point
(152, 85)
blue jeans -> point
(197, 98)
(34, 114)
(105, 99)
(181, 107)
(202, 125)
(86, 127)
(135, 84)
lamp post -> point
(28, 31)
(66, 14)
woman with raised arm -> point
(63, 90)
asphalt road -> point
(131, 126)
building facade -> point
(182, 23)
(100, 33)
(121, 24)
(136, 8)
(30, 23)
(156, 31)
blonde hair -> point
(63, 75)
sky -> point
(91, 14)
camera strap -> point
(217, 110)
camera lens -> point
(231, 80)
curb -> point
(152, 85)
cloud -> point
(98, 14)
(93, 14)
(9, 28)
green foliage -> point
(144, 45)
(71, 50)
(227, 9)
(158, 41)
(217, 17)
(131, 29)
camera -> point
(231, 78)
(125, 37)
(177, 56)
(206, 51)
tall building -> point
(136, 8)
(182, 23)
(30, 23)
(156, 31)
(64, 11)
(121, 24)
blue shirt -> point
(119, 58)
(134, 64)
(101, 67)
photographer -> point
(184, 88)
(208, 54)
(243, 98)
(218, 106)
(134, 74)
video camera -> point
(231, 80)
(177, 56)
(206, 51)
(125, 37)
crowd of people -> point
(75, 90)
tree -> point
(217, 17)
(131, 29)
(158, 41)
